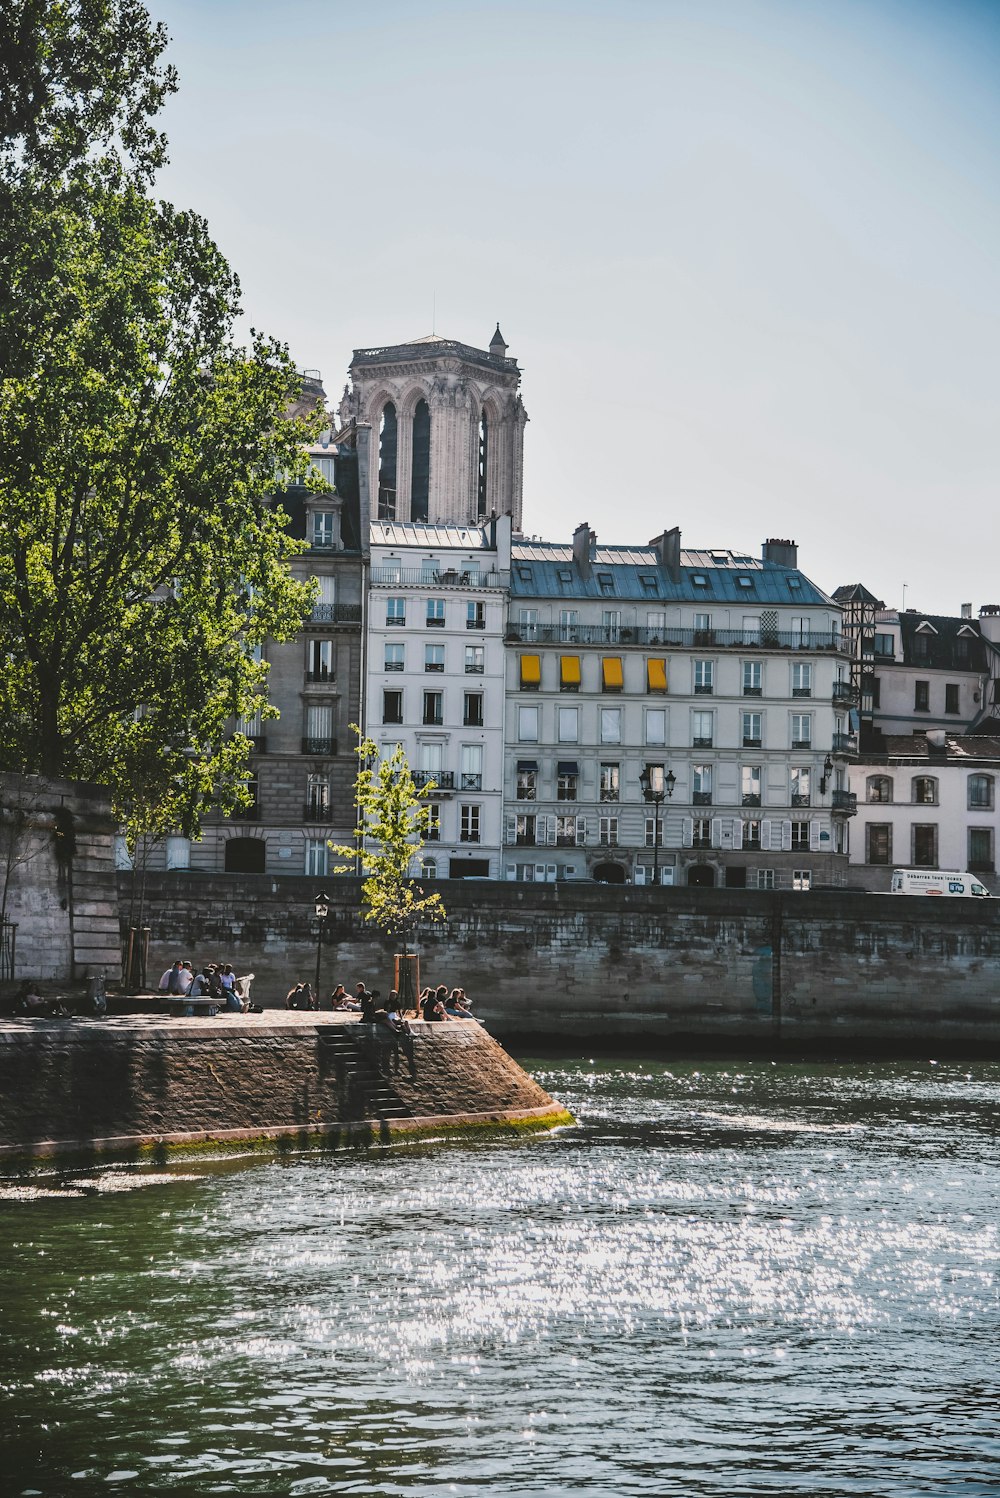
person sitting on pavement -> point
(432, 1007)
(369, 1003)
(340, 1000)
(298, 997)
(199, 985)
(453, 1006)
(173, 980)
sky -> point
(746, 253)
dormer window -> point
(745, 582)
(794, 583)
(565, 575)
(605, 582)
(524, 574)
(649, 584)
(699, 580)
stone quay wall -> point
(126, 1084)
(597, 961)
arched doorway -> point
(609, 873)
(245, 855)
(702, 875)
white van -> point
(935, 882)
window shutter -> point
(550, 829)
(815, 827)
(786, 836)
(765, 836)
(550, 873)
(716, 832)
(688, 832)
(640, 874)
(511, 871)
(511, 829)
(581, 831)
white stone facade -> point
(435, 679)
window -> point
(324, 530)
(924, 838)
(750, 785)
(433, 709)
(656, 623)
(524, 831)
(435, 613)
(433, 657)
(472, 715)
(801, 731)
(925, 790)
(701, 782)
(703, 629)
(980, 792)
(801, 777)
(433, 833)
(981, 849)
(610, 781)
(605, 582)
(765, 878)
(569, 673)
(611, 623)
(428, 868)
(527, 624)
(702, 730)
(879, 790)
(951, 697)
(320, 660)
(569, 620)
(701, 832)
(431, 760)
(921, 647)
(395, 612)
(568, 724)
(802, 681)
(753, 679)
(527, 783)
(608, 832)
(751, 730)
(611, 725)
(656, 674)
(921, 696)
(392, 707)
(751, 835)
(527, 725)
(531, 672)
(878, 842)
(475, 615)
(316, 858)
(325, 607)
(800, 631)
(566, 832)
(801, 879)
(704, 678)
(876, 691)
(394, 658)
(656, 725)
(473, 660)
(317, 807)
(472, 767)
(566, 782)
(469, 832)
(612, 677)
(885, 646)
(800, 837)
(751, 629)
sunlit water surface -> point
(728, 1279)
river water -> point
(736, 1279)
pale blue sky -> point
(747, 254)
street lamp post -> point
(322, 904)
(656, 787)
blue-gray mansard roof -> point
(542, 569)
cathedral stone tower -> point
(447, 428)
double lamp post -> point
(657, 787)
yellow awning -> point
(569, 670)
(656, 675)
(611, 672)
(531, 670)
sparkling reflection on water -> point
(729, 1279)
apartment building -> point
(675, 717)
(435, 679)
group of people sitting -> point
(213, 980)
(433, 1003)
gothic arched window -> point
(421, 469)
(484, 452)
(387, 463)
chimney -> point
(583, 541)
(782, 553)
(668, 552)
(989, 622)
(966, 610)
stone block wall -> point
(626, 963)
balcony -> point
(468, 837)
(800, 800)
(471, 782)
(446, 577)
(701, 798)
(704, 689)
(753, 691)
(335, 613)
(323, 678)
(703, 743)
(479, 622)
(444, 780)
(751, 799)
(319, 746)
(317, 813)
(677, 639)
(751, 743)
(844, 803)
(845, 693)
(844, 744)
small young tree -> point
(392, 823)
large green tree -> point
(140, 567)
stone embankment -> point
(595, 964)
(137, 1084)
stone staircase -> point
(363, 1090)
